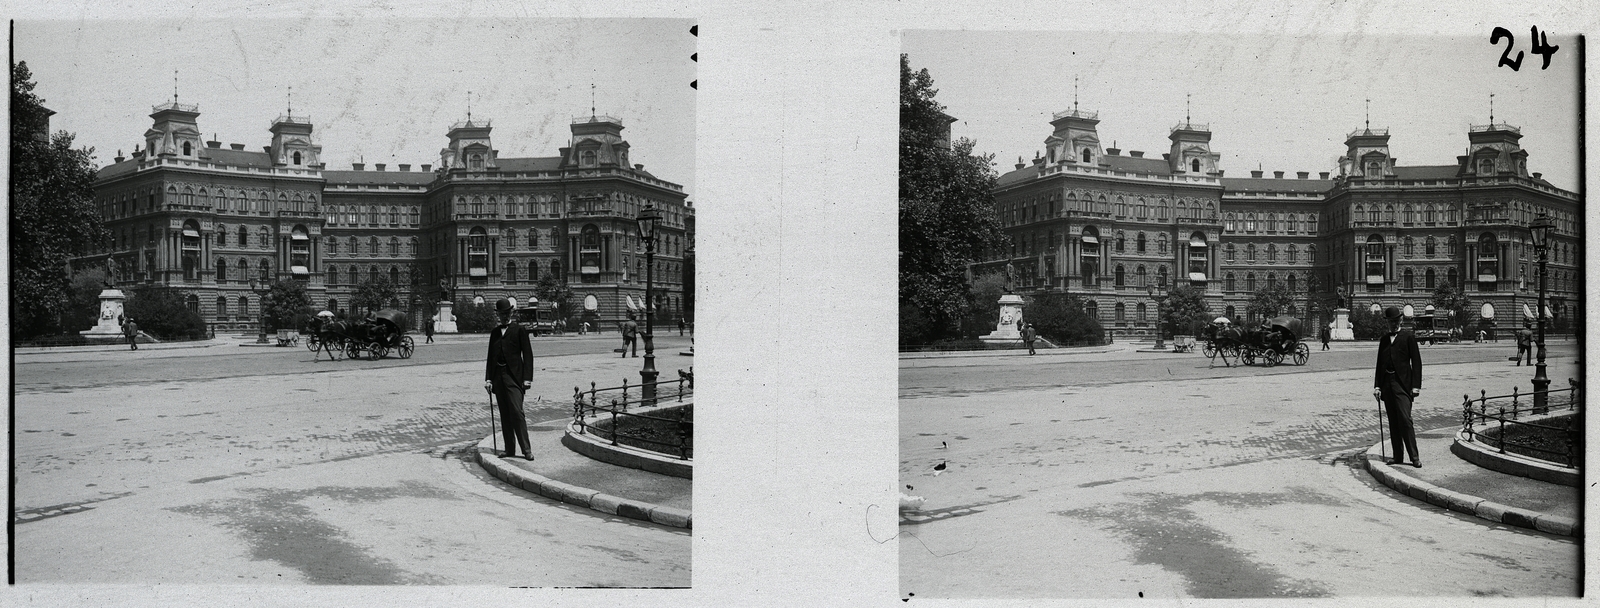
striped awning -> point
(299, 237)
(1088, 238)
(477, 271)
(299, 271)
(190, 232)
(1198, 277)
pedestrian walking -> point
(1397, 381)
(1525, 343)
(1028, 336)
(507, 375)
(1326, 334)
(680, 327)
(427, 330)
(630, 332)
(131, 330)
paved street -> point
(1122, 474)
(231, 464)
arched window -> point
(416, 216)
(1294, 254)
(244, 308)
(1488, 257)
(394, 246)
(1120, 278)
(1089, 255)
(1272, 280)
(1250, 252)
(266, 238)
(1140, 243)
(1374, 169)
(511, 239)
(1161, 276)
(265, 269)
(1452, 277)
(355, 246)
(1409, 215)
(1250, 282)
(394, 275)
(331, 247)
(1388, 214)
(1227, 223)
(1374, 215)
(1311, 254)
(587, 159)
(372, 246)
(1410, 245)
(475, 162)
(1229, 283)
(1121, 208)
(477, 205)
(297, 157)
(1486, 167)
(1272, 253)
(222, 308)
(1122, 242)
(394, 216)
(1429, 246)
(1291, 282)
(1229, 251)
(1410, 279)
(1451, 249)
(1121, 312)
(222, 270)
(1250, 222)
(1194, 165)
(333, 275)
(1429, 279)
(1086, 155)
(1139, 276)
(1092, 309)
(412, 249)
(222, 235)
(511, 272)
(1161, 243)
(372, 274)
(1144, 314)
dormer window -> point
(587, 159)
(1085, 155)
(475, 162)
(187, 150)
(1194, 165)
(1485, 167)
(296, 158)
(1374, 169)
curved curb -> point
(624, 455)
(1510, 463)
(578, 496)
(1465, 503)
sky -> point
(382, 90)
(1283, 104)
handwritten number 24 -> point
(1541, 47)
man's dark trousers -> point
(514, 429)
(1397, 404)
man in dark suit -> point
(1398, 380)
(507, 375)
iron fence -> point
(604, 413)
(1480, 415)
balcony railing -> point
(1084, 114)
(599, 411)
(1496, 126)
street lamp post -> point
(261, 289)
(1540, 227)
(648, 217)
(1160, 308)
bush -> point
(474, 318)
(915, 327)
(1368, 325)
(1061, 319)
(160, 311)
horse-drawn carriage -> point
(1274, 340)
(373, 337)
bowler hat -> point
(502, 305)
(1392, 313)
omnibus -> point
(537, 317)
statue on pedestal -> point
(1011, 276)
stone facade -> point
(195, 216)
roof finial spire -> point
(1369, 115)
(174, 86)
(1186, 120)
(291, 102)
(1491, 108)
(1074, 93)
(591, 102)
(469, 107)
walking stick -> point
(494, 433)
(1382, 449)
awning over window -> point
(299, 271)
(1487, 277)
(1197, 243)
(299, 237)
(1198, 277)
(190, 232)
(1374, 279)
(477, 271)
(1090, 239)
(589, 270)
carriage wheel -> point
(1248, 355)
(406, 346)
(312, 342)
(1301, 353)
(1272, 357)
(378, 350)
(352, 349)
(1209, 350)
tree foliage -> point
(162, 311)
(1185, 310)
(554, 292)
(983, 311)
(285, 303)
(1270, 302)
(1447, 297)
(83, 299)
(947, 217)
(1368, 325)
(474, 318)
(372, 295)
(53, 216)
(1062, 319)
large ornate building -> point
(1119, 229)
(193, 215)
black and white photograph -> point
(1144, 279)
(256, 268)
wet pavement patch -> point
(1165, 532)
(278, 527)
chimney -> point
(1303, 174)
(405, 167)
(1255, 173)
(236, 146)
(1536, 174)
(638, 167)
(380, 167)
(1324, 175)
(359, 166)
(1113, 151)
(1166, 157)
(1136, 153)
(215, 145)
(427, 168)
(1020, 164)
(1219, 173)
(1277, 175)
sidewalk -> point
(1448, 481)
(560, 474)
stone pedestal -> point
(445, 321)
(1010, 314)
(107, 326)
(1341, 328)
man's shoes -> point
(1416, 464)
(508, 454)
(1395, 462)
(528, 457)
